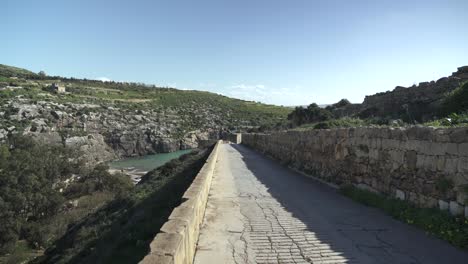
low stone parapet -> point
(177, 239)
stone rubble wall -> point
(177, 239)
(425, 166)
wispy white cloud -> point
(265, 94)
(103, 79)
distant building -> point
(57, 88)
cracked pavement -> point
(261, 212)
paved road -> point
(261, 212)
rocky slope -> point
(110, 120)
(416, 103)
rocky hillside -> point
(115, 119)
(416, 103)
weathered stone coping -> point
(177, 239)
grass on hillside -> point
(10, 71)
(196, 108)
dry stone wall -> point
(426, 166)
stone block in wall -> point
(420, 159)
(420, 133)
(440, 164)
(440, 135)
(390, 144)
(436, 148)
(412, 144)
(342, 132)
(373, 154)
(429, 163)
(443, 205)
(452, 149)
(398, 133)
(456, 208)
(424, 147)
(410, 159)
(413, 197)
(397, 156)
(463, 149)
(463, 165)
(451, 165)
(459, 135)
(460, 179)
(399, 194)
(462, 196)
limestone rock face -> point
(124, 132)
(102, 131)
(93, 147)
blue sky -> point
(282, 52)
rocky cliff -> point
(416, 103)
(102, 132)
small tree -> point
(342, 103)
(313, 113)
(456, 101)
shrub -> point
(322, 125)
(313, 113)
(342, 122)
(456, 101)
(339, 104)
(452, 120)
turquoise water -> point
(148, 162)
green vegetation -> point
(454, 109)
(432, 220)
(456, 102)
(10, 71)
(122, 231)
(315, 117)
(36, 202)
(196, 109)
(313, 113)
(452, 120)
(342, 122)
(340, 104)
